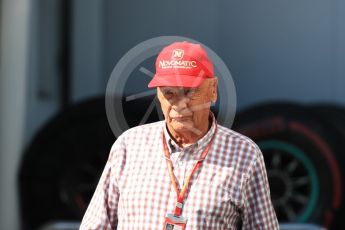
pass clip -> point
(173, 222)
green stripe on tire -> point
(297, 153)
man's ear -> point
(214, 89)
(159, 92)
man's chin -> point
(182, 125)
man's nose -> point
(181, 103)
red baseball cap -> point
(182, 64)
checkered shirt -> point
(230, 190)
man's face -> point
(187, 109)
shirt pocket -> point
(228, 191)
(221, 204)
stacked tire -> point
(304, 156)
(62, 165)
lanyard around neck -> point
(181, 193)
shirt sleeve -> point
(258, 210)
(102, 210)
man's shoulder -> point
(241, 145)
(150, 128)
(139, 134)
(245, 151)
(236, 136)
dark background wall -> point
(275, 50)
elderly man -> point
(186, 172)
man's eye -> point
(168, 94)
(189, 92)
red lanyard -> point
(181, 193)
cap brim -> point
(176, 80)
